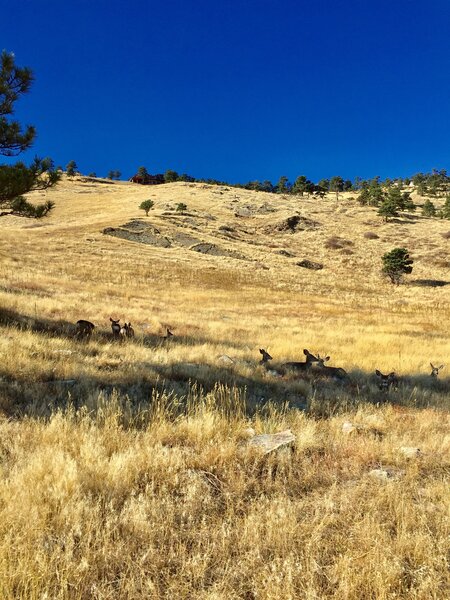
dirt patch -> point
(291, 225)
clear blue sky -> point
(238, 89)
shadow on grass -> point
(39, 395)
(429, 282)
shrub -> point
(337, 243)
(181, 207)
(146, 205)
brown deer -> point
(127, 331)
(168, 335)
(301, 367)
(116, 328)
(323, 369)
(435, 370)
(84, 329)
(386, 382)
(265, 357)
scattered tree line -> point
(373, 191)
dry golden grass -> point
(123, 465)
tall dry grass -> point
(124, 466)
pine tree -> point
(337, 185)
(428, 209)
(71, 168)
(396, 263)
(446, 208)
(18, 179)
(388, 208)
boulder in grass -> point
(387, 473)
(268, 442)
(309, 264)
(410, 451)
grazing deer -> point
(330, 371)
(386, 382)
(301, 366)
(265, 357)
(435, 370)
(84, 329)
(116, 328)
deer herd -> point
(84, 330)
(316, 365)
(312, 363)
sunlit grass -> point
(124, 466)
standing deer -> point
(330, 371)
(84, 329)
(116, 328)
(386, 382)
(127, 331)
(435, 370)
(301, 367)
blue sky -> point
(236, 90)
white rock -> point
(225, 359)
(387, 473)
(410, 451)
(268, 442)
(348, 427)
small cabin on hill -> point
(148, 179)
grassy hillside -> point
(124, 465)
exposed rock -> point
(284, 253)
(309, 264)
(213, 250)
(243, 212)
(150, 235)
(410, 451)
(387, 473)
(348, 427)
(268, 442)
(291, 225)
(225, 359)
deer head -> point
(435, 370)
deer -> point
(386, 382)
(84, 329)
(130, 330)
(323, 369)
(301, 367)
(116, 327)
(265, 357)
(127, 331)
(168, 335)
(435, 370)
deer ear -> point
(305, 352)
(261, 351)
(377, 372)
(392, 374)
(441, 367)
(326, 359)
(431, 365)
